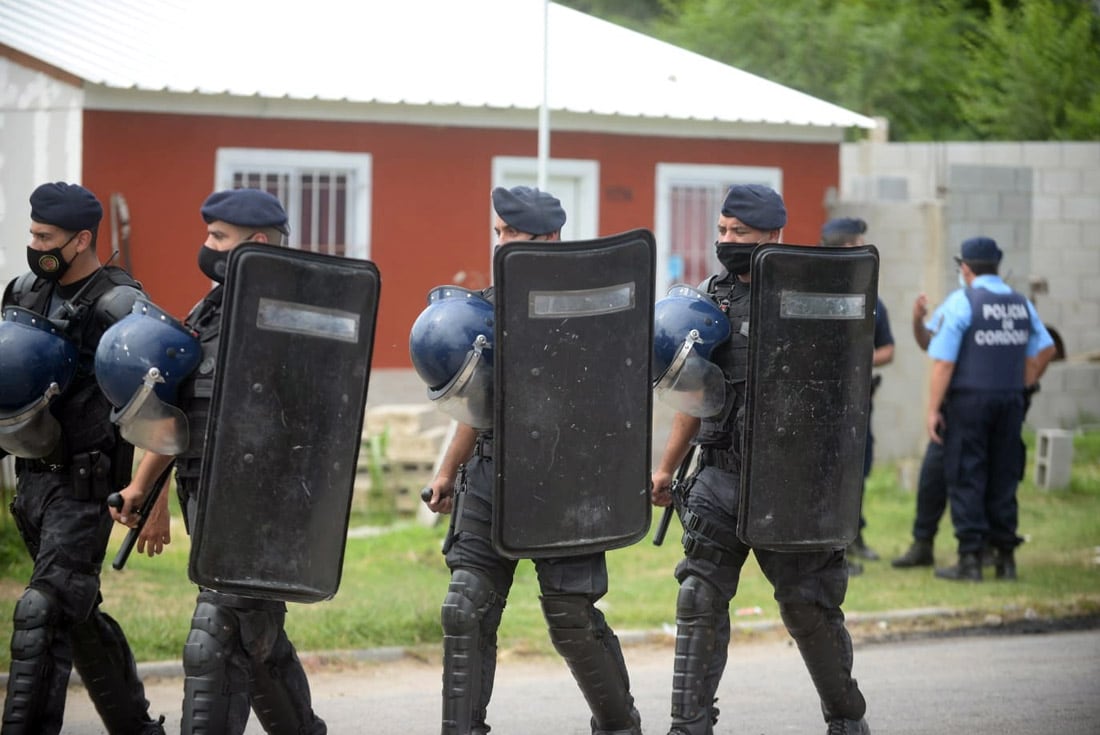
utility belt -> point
(94, 475)
(728, 460)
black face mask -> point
(735, 256)
(49, 265)
(213, 263)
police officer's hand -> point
(132, 498)
(920, 308)
(156, 533)
(442, 500)
(660, 493)
(936, 426)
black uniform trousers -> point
(472, 549)
(931, 493)
(814, 581)
(983, 465)
(68, 540)
(254, 664)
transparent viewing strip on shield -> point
(315, 321)
(587, 302)
(802, 305)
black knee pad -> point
(801, 618)
(34, 620)
(468, 599)
(567, 611)
(697, 599)
(212, 630)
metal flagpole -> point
(544, 110)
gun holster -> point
(459, 492)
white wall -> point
(41, 128)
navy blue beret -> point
(980, 250)
(844, 227)
(68, 206)
(245, 208)
(529, 210)
(759, 207)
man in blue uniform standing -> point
(991, 344)
(847, 232)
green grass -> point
(393, 583)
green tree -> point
(870, 56)
(1034, 73)
(937, 70)
(636, 14)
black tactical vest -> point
(732, 357)
(198, 387)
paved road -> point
(976, 685)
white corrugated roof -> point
(469, 53)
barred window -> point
(689, 200)
(326, 194)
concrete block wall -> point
(1040, 201)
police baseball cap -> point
(844, 226)
(979, 250)
(529, 209)
(68, 206)
(758, 206)
(246, 208)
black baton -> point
(115, 501)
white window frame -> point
(720, 176)
(230, 161)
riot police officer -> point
(237, 655)
(809, 585)
(480, 576)
(69, 459)
(990, 346)
(848, 232)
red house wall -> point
(430, 188)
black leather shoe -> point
(918, 555)
(969, 569)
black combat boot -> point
(1004, 562)
(969, 569)
(918, 555)
(848, 727)
(859, 548)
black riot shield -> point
(811, 338)
(572, 394)
(285, 424)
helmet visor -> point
(468, 398)
(692, 384)
(32, 432)
(150, 423)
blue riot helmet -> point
(451, 349)
(140, 363)
(687, 326)
(37, 363)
